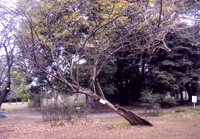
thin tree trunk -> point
(120, 85)
(189, 92)
(177, 95)
(181, 93)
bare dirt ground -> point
(23, 123)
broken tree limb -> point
(131, 117)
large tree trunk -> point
(132, 118)
(127, 114)
(4, 93)
(6, 89)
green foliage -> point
(172, 71)
(36, 96)
(167, 102)
(122, 124)
(3, 109)
(55, 124)
(2, 116)
(61, 124)
(150, 102)
(180, 110)
(188, 111)
(25, 97)
(18, 86)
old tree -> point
(64, 39)
(7, 46)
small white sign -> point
(102, 101)
(194, 99)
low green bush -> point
(167, 102)
(180, 110)
(54, 124)
(191, 110)
(25, 97)
(2, 116)
(151, 103)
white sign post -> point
(194, 100)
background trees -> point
(173, 71)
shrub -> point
(123, 124)
(54, 124)
(61, 124)
(68, 112)
(180, 110)
(150, 102)
(25, 97)
(167, 102)
(191, 110)
(2, 116)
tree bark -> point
(132, 118)
(120, 85)
(4, 93)
(181, 93)
(6, 89)
(177, 95)
(8, 83)
(187, 86)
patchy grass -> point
(15, 103)
(171, 125)
(188, 111)
(180, 110)
(56, 124)
(12, 106)
(115, 125)
(2, 116)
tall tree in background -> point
(176, 70)
(7, 47)
(56, 37)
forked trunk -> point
(127, 114)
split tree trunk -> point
(132, 118)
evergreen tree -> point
(176, 70)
